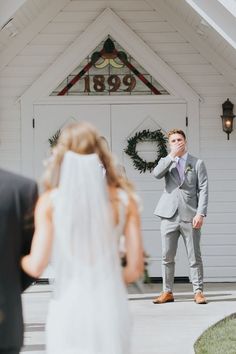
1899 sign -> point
(111, 84)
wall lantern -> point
(227, 117)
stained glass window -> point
(109, 70)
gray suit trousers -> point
(171, 229)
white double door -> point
(118, 122)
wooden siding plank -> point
(218, 250)
(6, 102)
(8, 124)
(221, 217)
(174, 48)
(53, 39)
(76, 16)
(199, 69)
(24, 60)
(218, 240)
(169, 37)
(221, 143)
(220, 154)
(211, 122)
(33, 50)
(213, 140)
(217, 185)
(207, 133)
(13, 166)
(65, 28)
(214, 90)
(9, 157)
(219, 261)
(216, 163)
(219, 229)
(15, 82)
(223, 175)
(220, 272)
(184, 59)
(226, 196)
(210, 111)
(152, 27)
(13, 92)
(16, 71)
(145, 16)
(88, 5)
(218, 99)
(205, 80)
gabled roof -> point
(203, 38)
(186, 21)
(219, 16)
(109, 23)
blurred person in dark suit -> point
(18, 197)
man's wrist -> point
(172, 157)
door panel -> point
(50, 118)
(126, 120)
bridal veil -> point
(89, 312)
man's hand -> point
(197, 221)
(177, 149)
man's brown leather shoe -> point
(199, 298)
(163, 298)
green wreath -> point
(54, 138)
(155, 136)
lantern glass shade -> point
(227, 124)
(227, 117)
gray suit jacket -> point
(18, 197)
(189, 197)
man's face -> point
(177, 141)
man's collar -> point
(185, 156)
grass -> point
(218, 339)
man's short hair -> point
(176, 131)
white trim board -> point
(106, 23)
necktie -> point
(180, 169)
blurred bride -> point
(78, 221)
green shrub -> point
(218, 339)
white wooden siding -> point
(219, 232)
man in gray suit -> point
(182, 208)
(18, 197)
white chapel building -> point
(127, 66)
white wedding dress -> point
(89, 310)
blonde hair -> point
(82, 138)
(176, 131)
